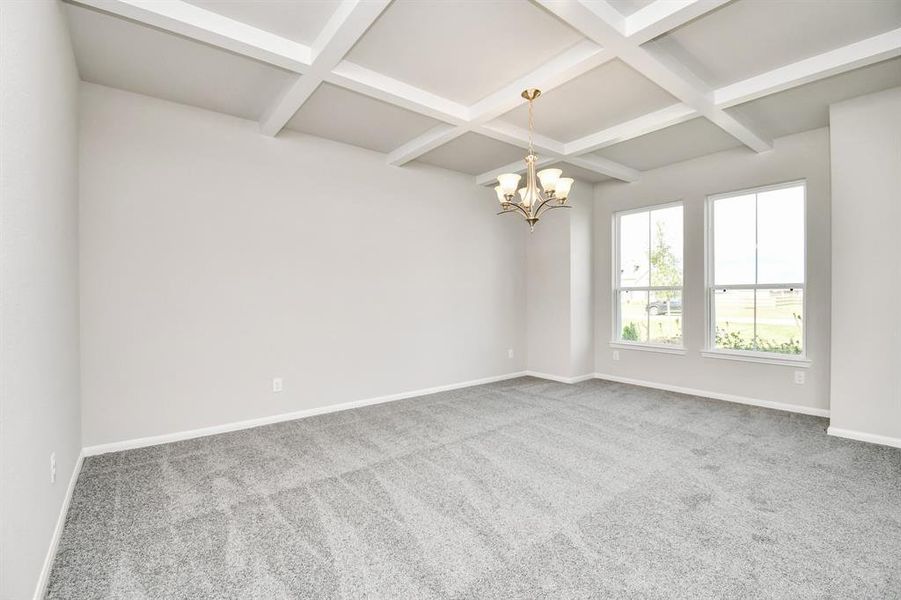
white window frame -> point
(617, 341)
(711, 351)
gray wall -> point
(558, 279)
(215, 258)
(805, 155)
(39, 386)
(866, 265)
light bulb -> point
(564, 184)
(508, 182)
(548, 178)
(500, 194)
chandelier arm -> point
(556, 206)
(538, 210)
(513, 208)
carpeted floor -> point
(520, 489)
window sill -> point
(767, 359)
(648, 348)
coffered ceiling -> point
(629, 85)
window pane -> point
(633, 249)
(633, 307)
(666, 247)
(733, 240)
(779, 321)
(780, 236)
(665, 318)
(734, 318)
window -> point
(755, 282)
(648, 276)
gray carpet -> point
(520, 489)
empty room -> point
(450, 299)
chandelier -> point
(533, 202)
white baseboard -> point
(41, 589)
(860, 436)
(795, 408)
(559, 378)
(309, 412)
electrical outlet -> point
(53, 467)
(800, 377)
(510, 353)
(277, 385)
(616, 355)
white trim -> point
(343, 30)
(648, 347)
(602, 24)
(662, 16)
(840, 60)
(861, 436)
(268, 420)
(44, 578)
(621, 132)
(208, 27)
(758, 357)
(795, 408)
(559, 378)
(710, 276)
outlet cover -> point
(277, 385)
(616, 355)
(800, 377)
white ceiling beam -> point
(859, 54)
(210, 28)
(604, 166)
(662, 16)
(550, 151)
(655, 121)
(428, 141)
(578, 60)
(365, 81)
(589, 18)
(570, 64)
(517, 136)
(350, 21)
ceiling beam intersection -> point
(350, 21)
(593, 20)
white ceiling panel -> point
(473, 153)
(749, 37)
(627, 7)
(608, 95)
(345, 116)
(674, 144)
(122, 54)
(463, 51)
(297, 20)
(580, 173)
(807, 107)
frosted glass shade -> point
(500, 194)
(508, 182)
(548, 178)
(564, 184)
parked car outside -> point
(664, 307)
